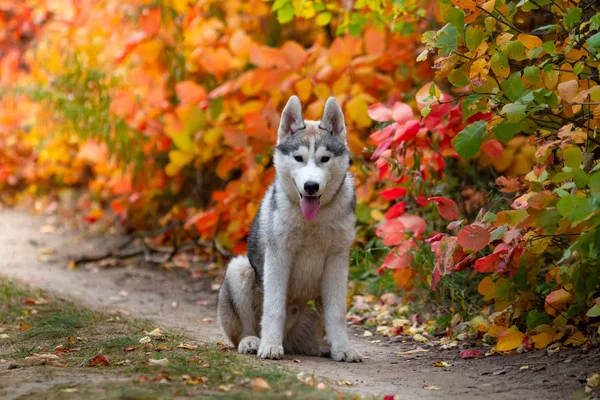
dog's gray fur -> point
(291, 259)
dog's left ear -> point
(333, 119)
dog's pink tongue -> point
(310, 206)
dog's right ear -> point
(291, 119)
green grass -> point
(82, 334)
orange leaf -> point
(557, 301)
(473, 237)
(150, 21)
(374, 41)
(529, 41)
(190, 92)
(541, 340)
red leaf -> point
(99, 360)
(408, 131)
(473, 237)
(391, 231)
(393, 194)
(413, 223)
(465, 354)
(493, 148)
(395, 211)
(383, 134)
(487, 263)
(379, 112)
(446, 207)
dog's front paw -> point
(345, 353)
(270, 351)
(249, 345)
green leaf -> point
(323, 19)
(447, 39)
(573, 157)
(594, 184)
(514, 50)
(532, 74)
(505, 131)
(574, 207)
(468, 140)
(520, 277)
(458, 78)
(499, 64)
(513, 87)
(471, 106)
(285, 14)
(536, 318)
(497, 233)
(548, 47)
(454, 16)
(474, 37)
(594, 311)
(572, 17)
(279, 3)
(594, 41)
(514, 112)
(489, 217)
(503, 289)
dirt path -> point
(174, 300)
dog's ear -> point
(291, 118)
(333, 119)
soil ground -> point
(173, 300)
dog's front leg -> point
(333, 289)
(276, 274)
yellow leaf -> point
(541, 340)
(576, 339)
(529, 41)
(357, 111)
(304, 89)
(479, 71)
(495, 330)
(259, 384)
(324, 18)
(509, 340)
(178, 160)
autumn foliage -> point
(473, 128)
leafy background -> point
(473, 126)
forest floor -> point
(35, 251)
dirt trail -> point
(176, 301)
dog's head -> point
(311, 157)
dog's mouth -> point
(309, 206)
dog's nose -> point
(311, 187)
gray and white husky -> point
(292, 284)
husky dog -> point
(292, 284)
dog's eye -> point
(298, 158)
(325, 159)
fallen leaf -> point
(161, 362)
(466, 354)
(322, 386)
(444, 364)
(420, 338)
(129, 349)
(161, 347)
(24, 327)
(98, 361)
(408, 352)
(430, 387)
(187, 346)
(145, 340)
(576, 339)
(69, 390)
(367, 333)
(509, 340)
(224, 388)
(259, 385)
(155, 333)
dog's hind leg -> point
(236, 308)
